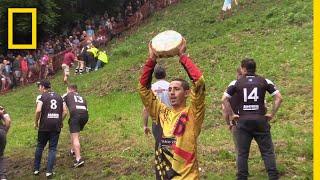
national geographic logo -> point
(33, 12)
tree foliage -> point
(54, 15)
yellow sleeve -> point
(151, 102)
(198, 101)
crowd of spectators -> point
(20, 67)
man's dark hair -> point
(73, 87)
(249, 64)
(184, 83)
(45, 83)
(159, 72)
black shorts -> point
(77, 122)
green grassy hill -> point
(276, 33)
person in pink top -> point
(67, 62)
(24, 70)
(44, 60)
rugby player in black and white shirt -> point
(50, 113)
(77, 106)
(252, 119)
(234, 103)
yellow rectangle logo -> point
(33, 12)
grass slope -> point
(276, 33)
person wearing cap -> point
(49, 115)
(4, 128)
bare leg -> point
(76, 145)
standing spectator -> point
(16, 70)
(4, 128)
(31, 65)
(252, 121)
(50, 113)
(24, 70)
(44, 62)
(75, 41)
(2, 76)
(101, 39)
(226, 9)
(128, 11)
(68, 60)
(79, 116)
(102, 21)
(105, 15)
(50, 50)
(83, 36)
(8, 72)
(119, 18)
(90, 32)
(109, 27)
(181, 124)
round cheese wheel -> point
(167, 43)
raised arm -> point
(149, 100)
(198, 88)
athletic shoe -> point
(36, 172)
(49, 175)
(78, 163)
